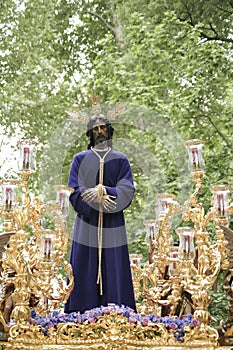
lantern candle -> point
(163, 204)
(221, 206)
(26, 158)
(173, 265)
(135, 259)
(186, 244)
(46, 303)
(221, 200)
(151, 230)
(8, 198)
(186, 247)
(47, 248)
(62, 198)
(26, 162)
(196, 162)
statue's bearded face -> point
(100, 132)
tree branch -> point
(117, 27)
(111, 28)
(188, 13)
(116, 31)
(216, 35)
(216, 128)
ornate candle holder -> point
(34, 257)
(175, 281)
(179, 278)
(155, 281)
(59, 209)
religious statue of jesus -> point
(103, 187)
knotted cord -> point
(100, 218)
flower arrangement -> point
(173, 324)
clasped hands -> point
(99, 195)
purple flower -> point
(156, 318)
(195, 322)
(174, 324)
(32, 320)
(55, 313)
(126, 313)
(144, 321)
(132, 319)
(188, 316)
(98, 313)
(33, 313)
(106, 310)
(84, 317)
(119, 311)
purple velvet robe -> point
(115, 265)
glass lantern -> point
(135, 259)
(186, 248)
(62, 198)
(26, 161)
(196, 162)
(46, 244)
(163, 202)
(221, 200)
(8, 196)
(151, 230)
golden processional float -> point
(172, 289)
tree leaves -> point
(152, 55)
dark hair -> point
(90, 124)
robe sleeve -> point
(124, 189)
(76, 181)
